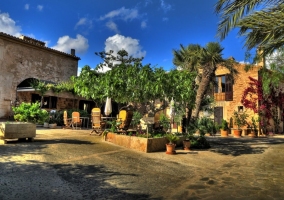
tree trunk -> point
(207, 73)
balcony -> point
(223, 96)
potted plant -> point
(239, 121)
(254, 130)
(186, 142)
(45, 118)
(206, 126)
(26, 115)
(53, 119)
(172, 138)
(224, 128)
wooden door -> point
(218, 115)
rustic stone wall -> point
(20, 60)
(241, 83)
(64, 100)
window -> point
(48, 102)
(223, 88)
(240, 108)
(224, 84)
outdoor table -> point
(108, 119)
(84, 119)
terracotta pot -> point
(252, 134)
(224, 133)
(186, 144)
(237, 133)
(170, 149)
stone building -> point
(24, 59)
(228, 96)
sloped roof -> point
(39, 44)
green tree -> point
(122, 57)
(260, 21)
(40, 86)
(136, 83)
(195, 58)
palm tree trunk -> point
(202, 88)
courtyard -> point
(71, 164)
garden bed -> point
(146, 145)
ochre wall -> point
(241, 83)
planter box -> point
(146, 145)
(16, 130)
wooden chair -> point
(76, 121)
(97, 124)
(67, 121)
(124, 120)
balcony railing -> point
(224, 96)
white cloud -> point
(119, 42)
(165, 6)
(84, 22)
(40, 7)
(143, 24)
(122, 13)
(8, 25)
(79, 71)
(27, 7)
(65, 44)
(81, 22)
(112, 26)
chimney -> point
(73, 52)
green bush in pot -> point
(30, 112)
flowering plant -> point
(53, 117)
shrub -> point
(199, 142)
(30, 112)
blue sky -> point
(148, 28)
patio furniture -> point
(76, 121)
(97, 124)
(67, 121)
(124, 119)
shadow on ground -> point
(240, 146)
(83, 181)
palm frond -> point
(232, 11)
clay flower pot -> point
(171, 149)
(186, 144)
(237, 133)
(224, 133)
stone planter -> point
(146, 145)
(17, 130)
(52, 125)
(45, 124)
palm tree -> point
(260, 21)
(187, 58)
(195, 58)
(211, 55)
